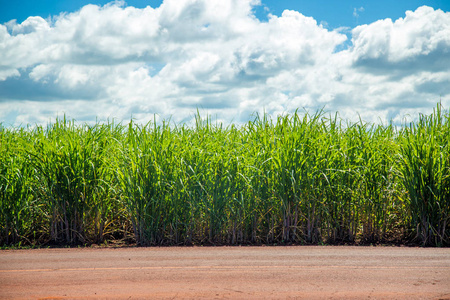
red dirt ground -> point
(295, 272)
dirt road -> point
(226, 272)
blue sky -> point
(120, 60)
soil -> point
(294, 272)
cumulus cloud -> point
(117, 61)
(418, 42)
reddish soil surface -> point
(294, 272)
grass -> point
(300, 178)
(425, 173)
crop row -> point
(296, 179)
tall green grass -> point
(298, 178)
(17, 204)
(71, 180)
(425, 172)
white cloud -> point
(419, 41)
(118, 61)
